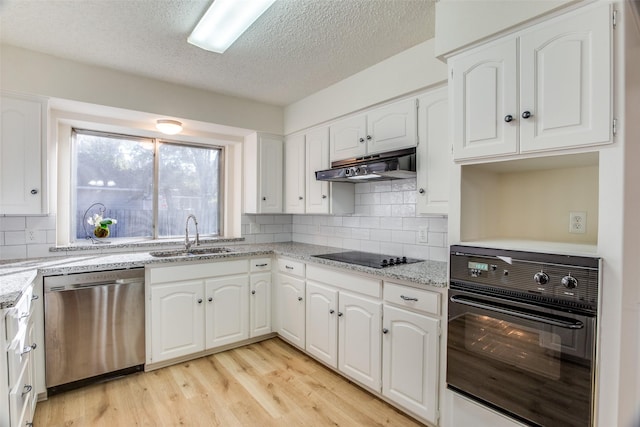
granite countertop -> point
(16, 276)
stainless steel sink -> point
(191, 252)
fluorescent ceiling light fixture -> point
(225, 21)
(170, 127)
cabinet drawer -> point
(20, 395)
(19, 349)
(260, 264)
(295, 268)
(417, 299)
(18, 316)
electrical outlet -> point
(423, 235)
(577, 222)
(31, 235)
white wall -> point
(462, 22)
(35, 73)
(409, 71)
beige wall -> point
(462, 22)
(34, 73)
(414, 69)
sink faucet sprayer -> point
(187, 243)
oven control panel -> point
(535, 275)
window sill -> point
(136, 245)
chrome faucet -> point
(187, 243)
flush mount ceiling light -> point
(225, 21)
(170, 127)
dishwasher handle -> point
(75, 286)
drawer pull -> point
(288, 267)
(339, 314)
(299, 298)
(34, 297)
(28, 349)
(408, 298)
(385, 330)
(253, 292)
(24, 315)
(27, 389)
(331, 311)
(262, 265)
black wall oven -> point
(521, 333)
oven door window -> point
(533, 363)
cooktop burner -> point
(369, 259)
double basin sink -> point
(190, 253)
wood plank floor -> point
(265, 384)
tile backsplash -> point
(385, 221)
(27, 236)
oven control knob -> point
(569, 282)
(541, 278)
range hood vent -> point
(400, 164)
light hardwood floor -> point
(265, 384)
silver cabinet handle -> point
(362, 140)
(324, 196)
(408, 298)
(369, 137)
(288, 267)
(253, 292)
(210, 299)
(299, 298)
(199, 300)
(23, 315)
(299, 197)
(34, 191)
(339, 314)
(526, 114)
(29, 424)
(34, 297)
(508, 118)
(421, 191)
(331, 311)
(27, 389)
(28, 349)
(385, 330)
(262, 265)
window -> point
(148, 185)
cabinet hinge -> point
(614, 127)
(614, 18)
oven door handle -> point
(528, 316)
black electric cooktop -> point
(369, 259)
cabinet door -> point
(348, 138)
(483, 88)
(260, 305)
(410, 361)
(434, 159)
(271, 158)
(317, 148)
(359, 342)
(565, 82)
(227, 314)
(177, 320)
(21, 126)
(294, 174)
(392, 127)
(291, 309)
(322, 323)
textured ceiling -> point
(295, 49)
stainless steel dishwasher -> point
(94, 327)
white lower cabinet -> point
(177, 316)
(322, 323)
(359, 340)
(193, 308)
(227, 310)
(260, 305)
(410, 349)
(291, 310)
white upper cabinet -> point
(317, 149)
(386, 128)
(22, 156)
(392, 127)
(294, 174)
(565, 82)
(433, 153)
(483, 94)
(263, 170)
(564, 95)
